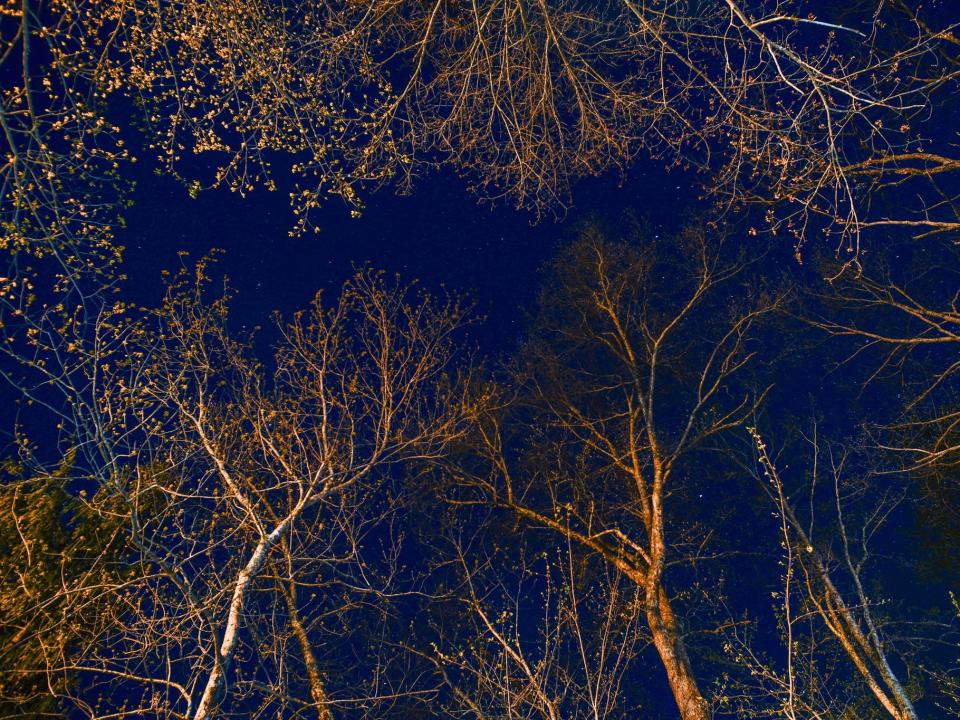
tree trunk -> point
(673, 655)
(216, 681)
(318, 692)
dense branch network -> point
(832, 124)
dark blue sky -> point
(440, 235)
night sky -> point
(439, 235)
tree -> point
(898, 318)
(907, 328)
(251, 507)
(629, 371)
(815, 574)
(51, 542)
(826, 120)
(61, 188)
(534, 633)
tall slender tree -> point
(629, 371)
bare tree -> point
(527, 97)
(629, 371)
(911, 330)
(824, 119)
(949, 680)
(777, 104)
(825, 567)
(251, 507)
(60, 184)
(535, 634)
(898, 319)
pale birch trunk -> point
(217, 678)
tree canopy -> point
(709, 473)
